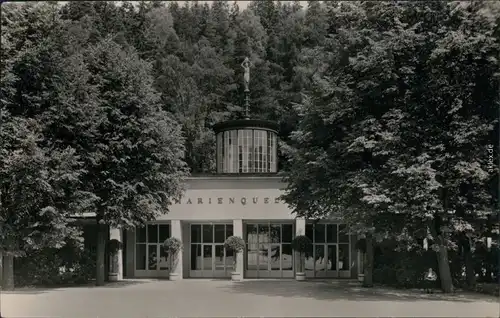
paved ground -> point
(219, 298)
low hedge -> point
(55, 267)
(486, 288)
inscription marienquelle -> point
(231, 200)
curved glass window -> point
(246, 151)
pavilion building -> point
(242, 199)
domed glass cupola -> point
(247, 145)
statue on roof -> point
(246, 77)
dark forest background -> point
(195, 52)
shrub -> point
(234, 243)
(487, 288)
(361, 245)
(68, 265)
(172, 245)
(114, 246)
(402, 269)
(301, 244)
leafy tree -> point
(39, 184)
(38, 187)
(383, 127)
(266, 11)
(160, 34)
(134, 165)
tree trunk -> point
(1, 270)
(444, 266)
(469, 265)
(101, 254)
(1, 275)
(8, 272)
(368, 268)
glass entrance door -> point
(269, 252)
(151, 259)
(330, 256)
(208, 258)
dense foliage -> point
(234, 243)
(71, 264)
(114, 246)
(301, 244)
(394, 128)
(172, 245)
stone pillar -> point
(300, 226)
(238, 231)
(116, 234)
(130, 254)
(176, 230)
(300, 229)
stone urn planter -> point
(235, 276)
(300, 276)
(173, 246)
(361, 277)
(113, 247)
(361, 248)
(301, 244)
(173, 276)
(237, 245)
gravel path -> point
(219, 298)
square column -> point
(117, 234)
(300, 229)
(238, 231)
(176, 231)
(300, 226)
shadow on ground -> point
(41, 290)
(345, 290)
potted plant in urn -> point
(301, 244)
(173, 246)
(237, 245)
(361, 247)
(113, 247)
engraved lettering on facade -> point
(231, 200)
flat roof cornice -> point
(234, 177)
(245, 124)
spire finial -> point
(246, 80)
